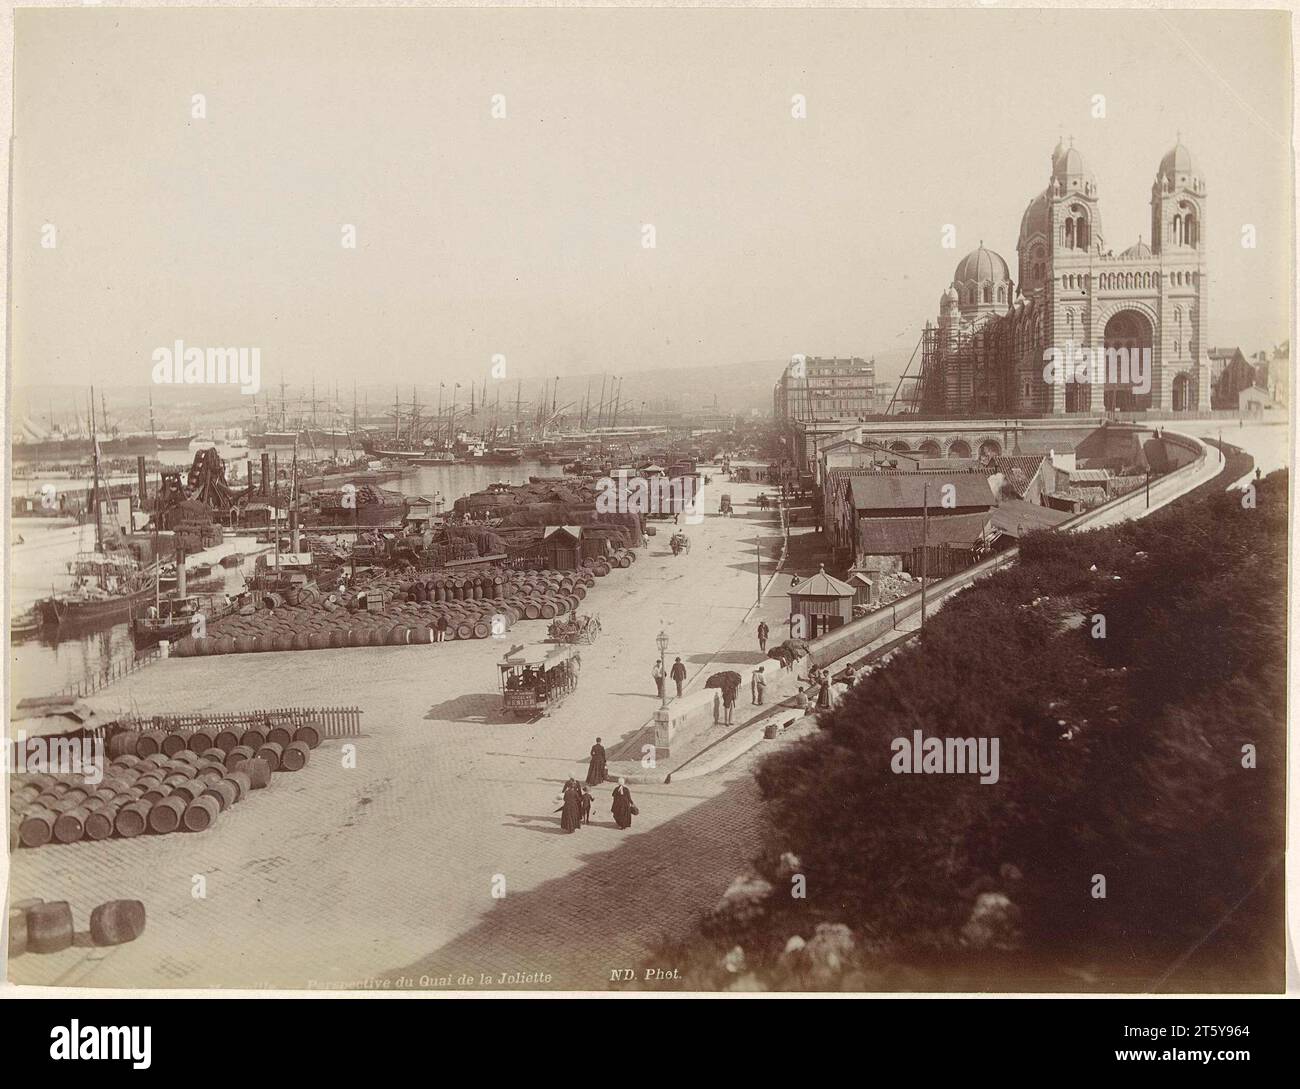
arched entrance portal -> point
(959, 448)
(1184, 393)
(990, 448)
(1127, 343)
(930, 449)
(899, 447)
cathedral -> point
(988, 351)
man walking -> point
(660, 675)
(441, 628)
(762, 635)
(757, 682)
(678, 675)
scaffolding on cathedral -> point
(963, 370)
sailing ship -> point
(109, 581)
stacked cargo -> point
(158, 781)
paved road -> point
(342, 875)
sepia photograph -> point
(640, 502)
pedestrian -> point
(678, 675)
(586, 801)
(763, 632)
(596, 769)
(757, 682)
(570, 806)
(823, 690)
(441, 628)
(794, 580)
(645, 540)
(728, 703)
(623, 809)
(660, 675)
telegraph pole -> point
(925, 541)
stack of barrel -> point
(37, 926)
(157, 781)
(475, 606)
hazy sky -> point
(523, 236)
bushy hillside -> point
(1122, 761)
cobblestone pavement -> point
(343, 875)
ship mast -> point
(94, 460)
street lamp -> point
(661, 641)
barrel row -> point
(412, 622)
(158, 792)
(38, 926)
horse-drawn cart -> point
(679, 543)
(574, 629)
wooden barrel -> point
(464, 630)
(149, 742)
(201, 814)
(238, 753)
(190, 789)
(133, 818)
(241, 782)
(200, 740)
(307, 733)
(185, 758)
(166, 815)
(226, 738)
(281, 734)
(69, 827)
(272, 754)
(123, 743)
(99, 825)
(158, 759)
(117, 921)
(549, 610)
(173, 743)
(225, 792)
(253, 738)
(37, 827)
(295, 756)
(532, 610)
(49, 927)
(210, 773)
(258, 771)
(17, 932)
(482, 630)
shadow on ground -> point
(479, 707)
(574, 931)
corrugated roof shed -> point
(898, 536)
(906, 491)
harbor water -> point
(43, 664)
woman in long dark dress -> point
(571, 809)
(622, 806)
(596, 769)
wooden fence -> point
(113, 672)
(332, 722)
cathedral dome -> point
(1068, 163)
(981, 265)
(1141, 249)
(1177, 160)
(1034, 221)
